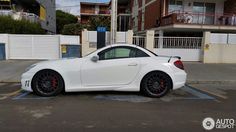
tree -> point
(9, 25)
(73, 29)
(63, 19)
(99, 21)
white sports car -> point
(120, 67)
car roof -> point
(130, 45)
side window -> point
(121, 52)
(140, 53)
(115, 53)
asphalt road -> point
(180, 110)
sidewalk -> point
(11, 70)
(198, 73)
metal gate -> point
(2, 51)
(33, 47)
(188, 48)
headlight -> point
(30, 67)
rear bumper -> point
(180, 79)
(26, 79)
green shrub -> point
(73, 29)
(11, 26)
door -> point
(198, 11)
(115, 67)
(204, 13)
(2, 52)
(210, 13)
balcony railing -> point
(139, 41)
(179, 42)
(199, 18)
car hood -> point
(59, 61)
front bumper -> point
(26, 79)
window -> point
(205, 13)
(140, 53)
(175, 5)
(121, 52)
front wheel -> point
(47, 83)
(156, 84)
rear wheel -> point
(47, 83)
(156, 84)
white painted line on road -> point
(2, 98)
(23, 96)
(213, 93)
(196, 93)
(12, 93)
(5, 96)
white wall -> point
(219, 48)
(220, 53)
(69, 40)
(218, 38)
(222, 38)
(19, 46)
(120, 37)
(90, 37)
(185, 54)
(34, 47)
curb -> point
(211, 82)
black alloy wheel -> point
(156, 84)
(47, 83)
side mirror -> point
(95, 58)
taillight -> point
(179, 64)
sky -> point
(73, 6)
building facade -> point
(183, 17)
(42, 11)
(90, 9)
(123, 15)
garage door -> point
(33, 47)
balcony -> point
(199, 19)
(87, 11)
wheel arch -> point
(160, 71)
(48, 69)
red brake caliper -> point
(54, 82)
(162, 83)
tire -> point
(47, 83)
(156, 84)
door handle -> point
(133, 64)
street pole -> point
(113, 21)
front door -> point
(115, 67)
